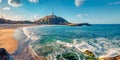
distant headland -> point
(47, 20)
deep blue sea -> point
(50, 40)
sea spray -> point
(24, 45)
(51, 43)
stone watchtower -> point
(53, 16)
(52, 13)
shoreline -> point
(11, 44)
(7, 40)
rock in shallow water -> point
(89, 55)
(4, 55)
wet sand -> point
(7, 40)
(12, 45)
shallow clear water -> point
(102, 40)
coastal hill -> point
(55, 20)
(47, 20)
(52, 19)
(2, 20)
(6, 21)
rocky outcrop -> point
(89, 55)
(67, 56)
(4, 55)
(52, 19)
(2, 21)
(80, 24)
(55, 20)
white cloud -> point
(33, 1)
(14, 3)
(0, 1)
(19, 17)
(6, 8)
(117, 2)
(86, 14)
(35, 17)
(79, 15)
(82, 15)
(79, 2)
(13, 17)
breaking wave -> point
(49, 42)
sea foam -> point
(100, 46)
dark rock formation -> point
(2, 21)
(89, 55)
(80, 24)
(4, 55)
(70, 56)
(5, 21)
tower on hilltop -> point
(52, 13)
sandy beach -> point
(7, 40)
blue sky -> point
(76, 11)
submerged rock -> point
(89, 55)
(45, 50)
(70, 56)
(67, 56)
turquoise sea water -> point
(103, 40)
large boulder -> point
(4, 55)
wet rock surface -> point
(4, 55)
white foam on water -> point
(25, 37)
(31, 34)
(102, 48)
